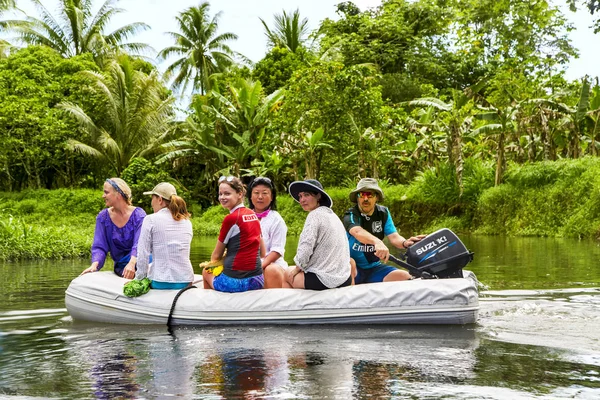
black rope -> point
(175, 301)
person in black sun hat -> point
(323, 258)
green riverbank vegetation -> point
(554, 199)
(462, 110)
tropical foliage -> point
(290, 30)
(593, 7)
(77, 30)
(406, 92)
(32, 131)
(135, 117)
(201, 49)
(6, 4)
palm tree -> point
(289, 32)
(202, 51)
(230, 130)
(594, 120)
(4, 45)
(502, 123)
(457, 119)
(313, 143)
(6, 4)
(77, 30)
(137, 115)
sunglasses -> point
(226, 178)
(260, 179)
(368, 195)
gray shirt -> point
(323, 247)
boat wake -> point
(564, 318)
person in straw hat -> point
(367, 224)
(322, 258)
(167, 235)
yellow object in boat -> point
(213, 267)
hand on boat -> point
(88, 270)
(129, 272)
(291, 274)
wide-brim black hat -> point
(310, 185)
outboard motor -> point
(440, 254)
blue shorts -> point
(372, 275)
(169, 285)
(224, 283)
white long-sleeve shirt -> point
(323, 247)
(274, 233)
(169, 243)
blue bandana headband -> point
(117, 188)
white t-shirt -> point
(274, 233)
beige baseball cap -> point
(164, 190)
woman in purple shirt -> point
(117, 230)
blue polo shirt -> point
(379, 224)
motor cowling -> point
(441, 254)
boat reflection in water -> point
(254, 362)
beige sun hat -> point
(366, 185)
(164, 190)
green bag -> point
(136, 287)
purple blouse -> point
(120, 242)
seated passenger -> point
(323, 257)
(367, 224)
(117, 230)
(240, 236)
(167, 235)
(262, 198)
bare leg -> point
(273, 275)
(352, 269)
(207, 279)
(398, 275)
(296, 281)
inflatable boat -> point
(445, 294)
(99, 297)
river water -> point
(538, 336)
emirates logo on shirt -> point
(249, 218)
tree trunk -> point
(500, 160)
(531, 152)
(594, 152)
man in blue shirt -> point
(367, 224)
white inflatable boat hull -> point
(99, 297)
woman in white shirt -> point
(167, 235)
(323, 255)
(262, 199)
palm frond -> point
(430, 102)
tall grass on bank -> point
(560, 198)
(47, 224)
(19, 240)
